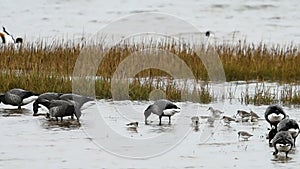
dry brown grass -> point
(47, 67)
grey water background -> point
(270, 21)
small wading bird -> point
(195, 120)
(253, 116)
(244, 115)
(133, 126)
(227, 120)
(18, 97)
(161, 108)
(291, 126)
(211, 121)
(283, 142)
(274, 114)
(244, 135)
(215, 113)
(7, 38)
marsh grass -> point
(43, 67)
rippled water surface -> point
(35, 142)
(269, 21)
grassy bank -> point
(47, 67)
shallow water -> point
(35, 142)
(269, 20)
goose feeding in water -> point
(271, 135)
(62, 108)
(274, 114)
(161, 108)
(291, 126)
(7, 38)
(45, 96)
(18, 97)
(78, 100)
(283, 142)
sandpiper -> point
(132, 125)
(283, 142)
(254, 116)
(227, 120)
(244, 115)
(195, 120)
(244, 135)
(215, 112)
(161, 108)
(211, 121)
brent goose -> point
(78, 100)
(289, 125)
(271, 135)
(161, 108)
(61, 108)
(283, 142)
(18, 97)
(48, 96)
(274, 114)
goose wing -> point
(21, 93)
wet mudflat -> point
(35, 142)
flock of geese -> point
(283, 132)
(58, 104)
(282, 135)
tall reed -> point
(42, 67)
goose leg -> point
(276, 151)
(169, 120)
(56, 119)
(19, 107)
(160, 120)
(61, 119)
